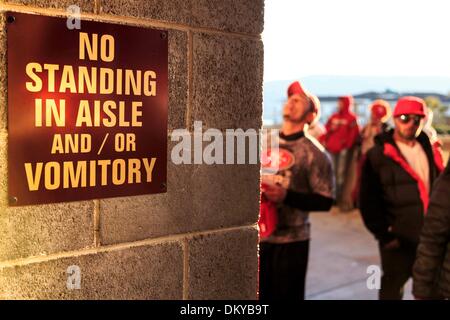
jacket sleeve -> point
(328, 125)
(328, 130)
(353, 134)
(371, 203)
(308, 201)
(434, 240)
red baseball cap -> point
(410, 105)
(296, 88)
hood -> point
(347, 103)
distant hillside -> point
(339, 85)
(390, 96)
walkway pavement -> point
(341, 250)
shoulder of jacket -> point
(444, 177)
(424, 140)
(376, 154)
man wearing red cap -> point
(303, 183)
(342, 132)
(397, 176)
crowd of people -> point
(394, 174)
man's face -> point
(408, 126)
(295, 108)
(340, 106)
(375, 119)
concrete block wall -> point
(198, 240)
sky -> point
(356, 37)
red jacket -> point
(342, 128)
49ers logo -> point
(277, 159)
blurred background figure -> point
(428, 126)
(380, 112)
(316, 129)
(341, 137)
(436, 143)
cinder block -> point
(227, 82)
(43, 229)
(85, 5)
(223, 265)
(168, 11)
(232, 15)
(145, 272)
(225, 195)
(178, 79)
(135, 218)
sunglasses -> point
(406, 118)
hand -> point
(275, 193)
(394, 244)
